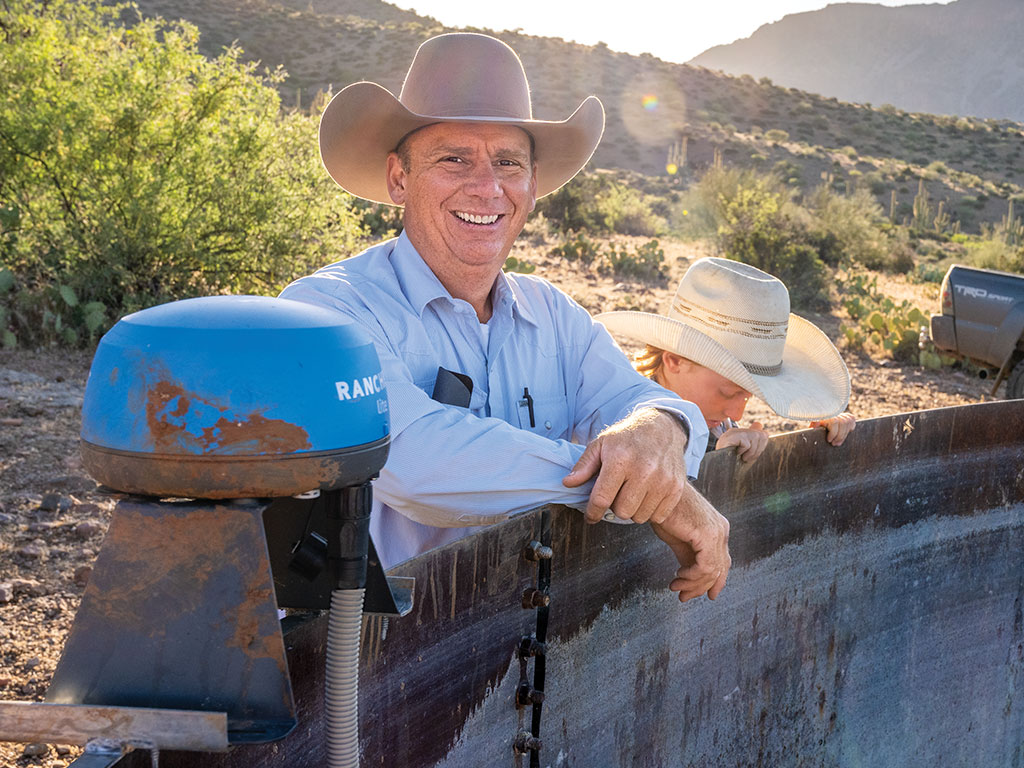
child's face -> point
(716, 396)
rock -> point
(6, 518)
(5, 681)
(6, 592)
(86, 509)
(50, 502)
(62, 749)
(89, 528)
(33, 663)
(28, 587)
(35, 750)
(82, 574)
(35, 550)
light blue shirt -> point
(450, 469)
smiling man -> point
(504, 394)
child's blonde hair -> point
(650, 361)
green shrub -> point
(134, 170)
(757, 223)
(577, 248)
(645, 263)
(995, 254)
(599, 203)
(848, 227)
(522, 266)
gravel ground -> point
(53, 518)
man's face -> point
(467, 192)
(717, 397)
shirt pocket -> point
(550, 416)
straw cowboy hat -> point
(735, 319)
(458, 77)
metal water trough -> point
(874, 616)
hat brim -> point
(813, 382)
(364, 122)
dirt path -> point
(52, 518)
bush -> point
(850, 225)
(758, 223)
(133, 170)
(599, 203)
(995, 254)
(646, 263)
(577, 248)
(522, 266)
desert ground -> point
(53, 516)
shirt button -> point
(547, 425)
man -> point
(729, 335)
(495, 382)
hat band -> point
(763, 370)
(755, 329)
(693, 313)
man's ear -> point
(396, 179)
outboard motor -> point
(276, 409)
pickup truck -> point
(982, 319)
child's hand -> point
(750, 441)
(838, 427)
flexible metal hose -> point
(343, 630)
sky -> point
(673, 30)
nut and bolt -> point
(527, 695)
(531, 646)
(526, 742)
(536, 551)
(534, 598)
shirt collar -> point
(507, 287)
(417, 281)
(420, 285)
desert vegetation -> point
(135, 168)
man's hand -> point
(838, 427)
(640, 467)
(699, 537)
(750, 441)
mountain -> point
(656, 110)
(964, 58)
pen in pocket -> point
(528, 402)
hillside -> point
(974, 166)
(963, 58)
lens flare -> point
(650, 102)
(672, 169)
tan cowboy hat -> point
(458, 77)
(735, 319)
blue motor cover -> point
(233, 378)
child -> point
(729, 335)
